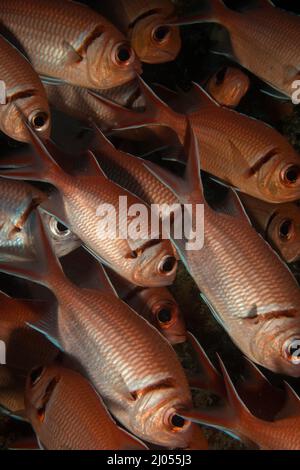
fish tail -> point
(156, 111)
(42, 267)
(37, 165)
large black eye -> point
(285, 230)
(177, 421)
(292, 350)
(124, 54)
(164, 315)
(291, 174)
(167, 264)
(161, 33)
(36, 374)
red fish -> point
(244, 152)
(67, 414)
(228, 86)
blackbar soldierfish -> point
(67, 413)
(279, 224)
(241, 151)
(25, 348)
(156, 304)
(249, 289)
(70, 42)
(18, 201)
(12, 388)
(144, 22)
(22, 90)
(264, 39)
(131, 365)
(228, 86)
(280, 433)
(76, 202)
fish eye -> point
(220, 76)
(39, 120)
(58, 229)
(167, 265)
(286, 230)
(291, 349)
(177, 422)
(36, 374)
(161, 33)
(291, 174)
(164, 315)
(124, 54)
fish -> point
(76, 101)
(78, 201)
(228, 86)
(90, 52)
(23, 91)
(18, 201)
(130, 364)
(262, 38)
(238, 150)
(67, 413)
(144, 23)
(279, 224)
(129, 171)
(282, 433)
(250, 291)
(12, 388)
(156, 304)
(25, 347)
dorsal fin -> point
(91, 166)
(291, 407)
(204, 97)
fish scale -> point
(90, 428)
(53, 29)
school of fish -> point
(91, 319)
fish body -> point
(67, 414)
(25, 348)
(264, 39)
(241, 151)
(144, 23)
(228, 86)
(249, 289)
(85, 49)
(18, 201)
(130, 364)
(81, 202)
(279, 224)
(156, 305)
(22, 90)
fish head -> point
(62, 239)
(276, 345)
(40, 388)
(283, 232)
(279, 175)
(155, 418)
(228, 86)
(111, 62)
(154, 41)
(34, 110)
(155, 265)
(163, 311)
